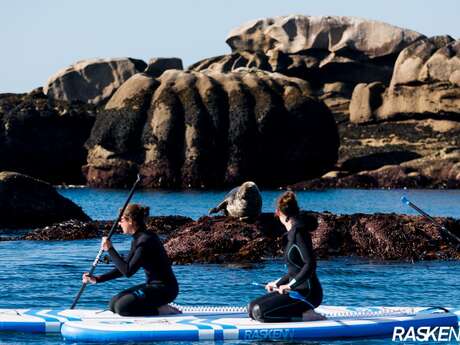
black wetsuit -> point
(301, 263)
(161, 286)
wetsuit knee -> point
(277, 308)
(256, 312)
(112, 303)
(124, 305)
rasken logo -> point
(426, 333)
(283, 333)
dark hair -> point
(137, 213)
(287, 203)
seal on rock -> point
(242, 202)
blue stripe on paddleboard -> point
(22, 326)
(72, 333)
(49, 318)
(38, 326)
(197, 323)
(69, 318)
(219, 333)
(205, 324)
(46, 317)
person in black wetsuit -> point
(147, 252)
(278, 305)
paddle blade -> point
(404, 200)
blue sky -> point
(39, 37)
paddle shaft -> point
(427, 216)
(111, 232)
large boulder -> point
(44, 138)
(157, 66)
(92, 81)
(296, 33)
(365, 99)
(27, 202)
(324, 50)
(426, 60)
(426, 80)
(209, 129)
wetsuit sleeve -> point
(113, 274)
(309, 266)
(133, 263)
(283, 280)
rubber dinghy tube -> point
(111, 232)
(406, 201)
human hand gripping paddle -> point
(293, 294)
(406, 201)
(111, 232)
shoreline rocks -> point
(211, 130)
(78, 230)
(229, 240)
(91, 81)
(363, 103)
(27, 202)
(44, 138)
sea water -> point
(48, 273)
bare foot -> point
(168, 310)
(312, 315)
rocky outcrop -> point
(228, 240)
(77, 230)
(365, 99)
(379, 236)
(434, 59)
(411, 153)
(297, 33)
(157, 66)
(388, 176)
(64, 231)
(208, 129)
(92, 81)
(309, 42)
(254, 114)
(413, 123)
(225, 240)
(425, 81)
(44, 138)
(384, 237)
(324, 50)
(27, 202)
